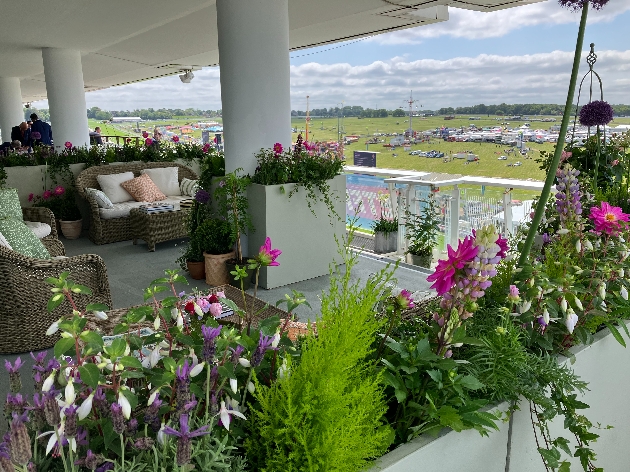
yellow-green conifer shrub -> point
(326, 413)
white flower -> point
(603, 306)
(66, 335)
(545, 316)
(198, 309)
(180, 321)
(127, 350)
(156, 323)
(578, 246)
(563, 304)
(193, 356)
(70, 395)
(174, 313)
(525, 306)
(283, 370)
(621, 272)
(251, 387)
(101, 315)
(226, 414)
(234, 385)
(588, 245)
(624, 293)
(155, 356)
(48, 383)
(562, 231)
(602, 290)
(195, 371)
(152, 398)
(571, 320)
(244, 362)
(578, 304)
(275, 341)
(161, 437)
(125, 405)
(86, 407)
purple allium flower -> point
(209, 335)
(202, 196)
(184, 436)
(264, 344)
(118, 419)
(577, 5)
(596, 113)
(20, 442)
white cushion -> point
(166, 179)
(110, 184)
(121, 210)
(4, 242)
(41, 230)
(101, 199)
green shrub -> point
(326, 413)
(214, 236)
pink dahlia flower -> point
(607, 218)
(216, 309)
(277, 148)
(267, 256)
(444, 276)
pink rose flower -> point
(145, 135)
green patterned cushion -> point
(189, 187)
(22, 239)
(10, 204)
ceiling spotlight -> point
(187, 76)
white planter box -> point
(32, 179)
(307, 242)
(605, 364)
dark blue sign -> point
(365, 158)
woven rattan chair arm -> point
(54, 246)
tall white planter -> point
(605, 364)
(307, 242)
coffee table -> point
(158, 227)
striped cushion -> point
(189, 187)
(102, 200)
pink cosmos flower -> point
(145, 135)
(277, 148)
(148, 141)
(444, 276)
(607, 218)
(68, 145)
(176, 139)
(30, 197)
(59, 190)
(267, 256)
(47, 194)
(215, 309)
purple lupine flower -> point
(70, 429)
(596, 113)
(577, 5)
(118, 419)
(20, 442)
(15, 381)
(202, 196)
(264, 344)
(209, 342)
(184, 436)
(568, 195)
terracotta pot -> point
(216, 270)
(196, 269)
(71, 229)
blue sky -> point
(519, 55)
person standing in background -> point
(44, 130)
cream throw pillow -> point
(166, 179)
(110, 184)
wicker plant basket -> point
(216, 270)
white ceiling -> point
(126, 41)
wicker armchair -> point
(24, 317)
(44, 215)
(104, 231)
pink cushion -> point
(142, 189)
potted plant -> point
(231, 198)
(217, 245)
(62, 203)
(422, 230)
(385, 229)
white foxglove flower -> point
(180, 321)
(624, 293)
(275, 341)
(578, 304)
(578, 246)
(152, 398)
(174, 313)
(125, 405)
(234, 385)
(545, 316)
(48, 383)
(588, 245)
(156, 323)
(86, 407)
(562, 231)
(195, 371)
(525, 306)
(70, 394)
(244, 362)
(101, 315)
(602, 290)
(251, 387)
(563, 305)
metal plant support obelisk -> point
(551, 173)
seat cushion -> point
(22, 239)
(10, 204)
(41, 230)
(110, 184)
(189, 187)
(165, 178)
(142, 189)
(102, 200)
(121, 210)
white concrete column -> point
(11, 109)
(255, 85)
(66, 97)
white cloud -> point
(460, 81)
(479, 25)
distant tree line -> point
(151, 114)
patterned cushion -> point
(189, 187)
(142, 189)
(165, 178)
(102, 200)
(22, 239)
(110, 184)
(10, 204)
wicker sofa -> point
(103, 230)
(24, 317)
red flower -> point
(30, 197)
(148, 141)
(206, 148)
(213, 299)
(444, 276)
(190, 307)
(47, 194)
(145, 135)
(175, 139)
(128, 140)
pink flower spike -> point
(68, 145)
